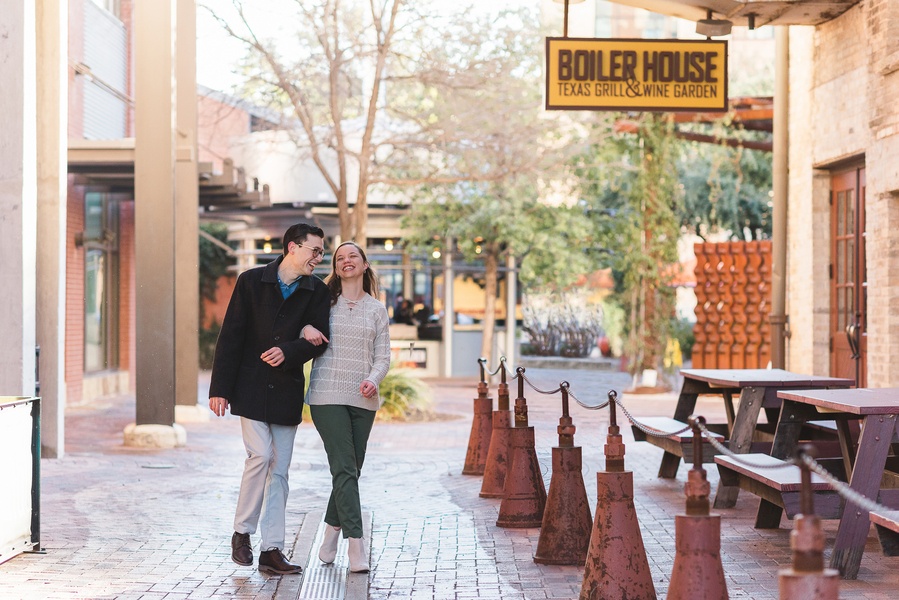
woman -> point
(343, 393)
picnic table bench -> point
(863, 463)
(887, 525)
(742, 433)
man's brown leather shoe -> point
(272, 561)
(241, 549)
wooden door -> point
(848, 280)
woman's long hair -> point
(369, 278)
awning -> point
(740, 12)
(111, 163)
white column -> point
(154, 226)
(18, 197)
(449, 311)
(187, 269)
(52, 96)
(511, 294)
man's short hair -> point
(297, 234)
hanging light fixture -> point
(710, 27)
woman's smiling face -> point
(348, 262)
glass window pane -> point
(95, 318)
(841, 210)
(839, 257)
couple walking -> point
(279, 317)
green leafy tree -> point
(725, 190)
(488, 162)
(214, 262)
(489, 221)
(630, 191)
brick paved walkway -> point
(126, 523)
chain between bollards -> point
(842, 488)
(501, 367)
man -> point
(258, 372)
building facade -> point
(843, 264)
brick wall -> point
(74, 350)
(844, 83)
(800, 299)
(839, 92)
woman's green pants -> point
(344, 431)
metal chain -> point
(646, 428)
(497, 370)
(536, 389)
(843, 489)
(839, 486)
(722, 449)
(587, 406)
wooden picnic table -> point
(865, 462)
(756, 389)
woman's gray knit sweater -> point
(358, 349)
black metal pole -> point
(36, 474)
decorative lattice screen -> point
(733, 299)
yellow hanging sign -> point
(651, 75)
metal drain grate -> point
(321, 581)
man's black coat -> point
(259, 318)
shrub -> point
(405, 395)
(682, 331)
(561, 325)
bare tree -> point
(362, 84)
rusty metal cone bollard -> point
(698, 572)
(807, 579)
(524, 493)
(616, 565)
(481, 429)
(498, 453)
(567, 522)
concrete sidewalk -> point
(125, 523)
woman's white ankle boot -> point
(358, 555)
(328, 551)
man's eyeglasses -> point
(316, 251)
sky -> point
(217, 54)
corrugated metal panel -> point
(105, 52)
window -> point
(111, 6)
(100, 282)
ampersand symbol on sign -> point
(633, 88)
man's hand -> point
(273, 356)
(218, 406)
